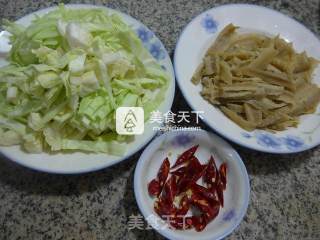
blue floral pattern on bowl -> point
(182, 139)
(228, 216)
(272, 141)
(157, 51)
(149, 40)
(268, 140)
(293, 142)
(246, 135)
(144, 34)
(209, 24)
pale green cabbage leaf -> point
(68, 72)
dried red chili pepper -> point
(154, 188)
(188, 222)
(195, 169)
(183, 184)
(181, 222)
(184, 206)
(215, 208)
(179, 172)
(183, 181)
(170, 189)
(176, 222)
(208, 194)
(223, 175)
(219, 189)
(209, 209)
(163, 173)
(200, 173)
(164, 208)
(211, 176)
(194, 164)
(193, 172)
(200, 203)
(185, 156)
(199, 222)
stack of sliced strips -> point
(258, 81)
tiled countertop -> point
(285, 190)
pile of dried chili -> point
(176, 191)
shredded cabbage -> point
(68, 72)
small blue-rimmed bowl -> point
(236, 196)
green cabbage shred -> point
(68, 72)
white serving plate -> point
(86, 162)
(199, 34)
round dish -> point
(81, 162)
(190, 50)
(173, 143)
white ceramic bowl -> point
(199, 35)
(81, 162)
(236, 195)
